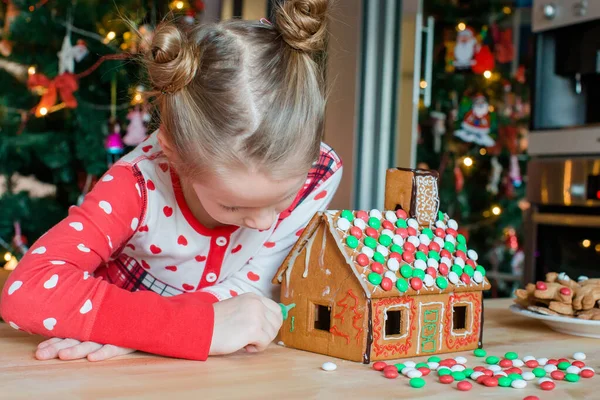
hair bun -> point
(303, 23)
(172, 61)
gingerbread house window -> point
(459, 318)
(395, 324)
(322, 316)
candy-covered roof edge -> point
(371, 291)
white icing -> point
(391, 216)
(420, 264)
(367, 251)
(387, 232)
(414, 240)
(472, 254)
(423, 238)
(563, 277)
(427, 200)
(582, 278)
(325, 291)
(439, 241)
(327, 272)
(477, 277)
(383, 250)
(343, 224)
(393, 264)
(453, 277)
(459, 261)
(307, 256)
(359, 223)
(428, 281)
(432, 262)
(391, 275)
(397, 239)
(579, 356)
(452, 224)
(440, 224)
(322, 253)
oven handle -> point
(591, 221)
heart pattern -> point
(145, 265)
(233, 293)
(171, 268)
(181, 240)
(269, 245)
(150, 185)
(39, 250)
(253, 277)
(236, 249)
(49, 323)
(107, 178)
(164, 166)
(86, 307)
(200, 258)
(321, 195)
(155, 249)
(105, 206)
(146, 149)
(81, 247)
(134, 224)
(168, 211)
(78, 226)
(51, 283)
(143, 228)
(185, 286)
(16, 285)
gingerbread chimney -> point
(414, 191)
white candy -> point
(391, 216)
(542, 361)
(579, 356)
(582, 278)
(459, 261)
(383, 250)
(415, 373)
(390, 275)
(420, 264)
(423, 238)
(413, 223)
(472, 254)
(453, 277)
(387, 232)
(431, 262)
(458, 367)
(452, 224)
(544, 379)
(450, 238)
(328, 366)
(439, 241)
(443, 367)
(393, 264)
(518, 384)
(460, 360)
(528, 376)
(478, 278)
(410, 364)
(428, 281)
(375, 214)
(528, 358)
(476, 374)
(573, 369)
(446, 260)
(433, 365)
(563, 277)
(516, 363)
(440, 224)
(550, 368)
(406, 370)
(343, 224)
(359, 223)
(414, 240)
(588, 368)
(367, 251)
(500, 373)
(397, 239)
(495, 368)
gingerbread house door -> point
(430, 326)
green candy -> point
(462, 247)
(379, 257)
(401, 223)
(417, 382)
(449, 246)
(375, 278)
(421, 256)
(563, 365)
(434, 254)
(396, 249)
(370, 242)
(479, 352)
(385, 240)
(459, 376)
(470, 271)
(348, 215)
(461, 239)
(419, 273)
(440, 216)
(374, 223)
(515, 376)
(428, 232)
(352, 242)
(492, 360)
(421, 365)
(511, 355)
(457, 269)
(402, 285)
(406, 271)
(571, 377)
(444, 371)
(399, 367)
(480, 269)
(504, 381)
(441, 282)
(539, 372)
(468, 372)
(435, 359)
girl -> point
(203, 211)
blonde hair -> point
(243, 93)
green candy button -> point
(492, 360)
(434, 254)
(571, 377)
(379, 257)
(563, 365)
(419, 273)
(440, 216)
(441, 282)
(385, 240)
(444, 371)
(370, 242)
(375, 278)
(435, 359)
(417, 382)
(421, 365)
(462, 247)
(402, 285)
(348, 215)
(396, 249)
(406, 271)
(470, 271)
(401, 223)
(511, 355)
(480, 269)
(539, 372)
(479, 352)
(461, 239)
(374, 223)
(421, 256)
(428, 232)
(515, 376)
(504, 381)
(457, 269)
(399, 367)
(352, 242)
(468, 372)
(449, 246)
(459, 376)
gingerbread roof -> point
(391, 254)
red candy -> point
(481, 379)
(408, 257)
(401, 214)
(388, 367)
(446, 379)
(547, 385)
(411, 231)
(479, 368)
(439, 232)
(423, 248)
(445, 253)
(451, 362)
(391, 373)
(424, 370)
(431, 271)
(371, 232)
(402, 232)
(376, 267)
(505, 363)
(532, 364)
(379, 365)
(465, 278)
(433, 246)
(461, 254)
(362, 260)
(587, 373)
(386, 284)
(451, 232)
(514, 370)
(471, 263)
(396, 256)
(557, 375)
(552, 361)
(541, 285)
(488, 372)
(578, 364)
(356, 232)
(362, 215)
(465, 386)
(490, 382)
(387, 225)
(563, 360)
(565, 291)
(416, 283)
(443, 268)
(409, 247)
(531, 398)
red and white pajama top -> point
(132, 267)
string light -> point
(482, 151)
(111, 35)
(586, 243)
(496, 210)
(7, 257)
(461, 26)
(597, 247)
(179, 5)
(507, 10)
(423, 84)
(487, 74)
(43, 111)
(31, 70)
(468, 161)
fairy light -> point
(496, 210)
(507, 10)
(482, 151)
(597, 247)
(7, 257)
(111, 35)
(423, 84)
(31, 70)
(461, 26)
(487, 74)
(468, 161)
(179, 5)
(43, 111)
(586, 243)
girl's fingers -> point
(108, 351)
(48, 342)
(79, 351)
(51, 351)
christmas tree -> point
(72, 102)
(474, 131)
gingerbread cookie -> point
(524, 297)
(593, 314)
(542, 310)
(565, 280)
(553, 291)
(586, 297)
(561, 308)
(590, 282)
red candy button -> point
(531, 398)
(565, 291)
(451, 362)
(557, 375)
(371, 232)
(490, 382)
(402, 232)
(461, 254)
(532, 364)
(439, 232)
(431, 271)
(451, 232)
(552, 361)
(514, 370)
(481, 379)
(445, 253)
(408, 246)
(578, 364)
(479, 368)
(391, 373)
(465, 278)
(386, 284)
(471, 263)
(408, 257)
(387, 225)
(401, 214)
(541, 285)
(416, 283)
(356, 232)
(411, 231)
(396, 256)
(587, 373)
(446, 379)
(362, 215)
(433, 246)
(388, 367)
(362, 260)
(563, 360)
(379, 365)
(376, 267)
(424, 370)
(505, 363)
(443, 268)
(465, 386)
(488, 372)
(547, 385)
(423, 248)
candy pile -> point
(393, 251)
(508, 371)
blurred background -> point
(497, 95)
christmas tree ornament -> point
(136, 130)
(465, 49)
(459, 179)
(496, 173)
(69, 54)
(477, 123)
(514, 171)
(12, 12)
(483, 60)
(439, 129)
(504, 48)
(114, 144)
(63, 87)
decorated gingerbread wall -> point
(383, 285)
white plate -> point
(570, 326)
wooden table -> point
(279, 372)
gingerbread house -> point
(379, 285)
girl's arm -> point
(52, 292)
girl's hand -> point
(71, 349)
(247, 321)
